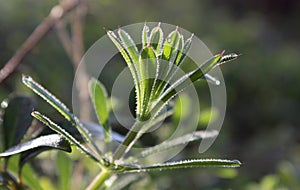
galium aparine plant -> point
(152, 67)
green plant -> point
(153, 93)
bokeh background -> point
(261, 126)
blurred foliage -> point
(261, 127)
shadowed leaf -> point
(16, 118)
(63, 133)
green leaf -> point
(185, 164)
(182, 54)
(149, 67)
(156, 39)
(134, 69)
(185, 81)
(52, 141)
(30, 178)
(179, 59)
(182, 140)
(64, 133)
(145, 37)
(98, 95)
(16, 118)
(229, 57)
(64, 167)
(129, 45)
(60, 107)
(170, 46)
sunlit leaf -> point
(185, 164)
(52, 141)
(182, 140)
(182, 54)
(60, 107)
(185, 81)
(170, 46)
(134, 68)
(156, 39)
(145, 37)
(149, 66)
(129, 45)
(98, 95)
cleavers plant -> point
(153, 67)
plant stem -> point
(127, 143)
(99, 179)
(135, 133)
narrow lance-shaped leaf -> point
(185, 164)
(16, 118)
(52, 141)
(149, 67)
(129, 45)
(182, 140)
(98, 95)
(145, 37)
(185, 81)
(170, 49)
(185, 50)
(134, 68)
(173, 65)
(60, 107)
(180, 58)
(65, 134)
(171, 45)
(156, 39)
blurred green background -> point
(261, 126)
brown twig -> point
(64, 38)
(56, 13)
(81, 81)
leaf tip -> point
(222, 53)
